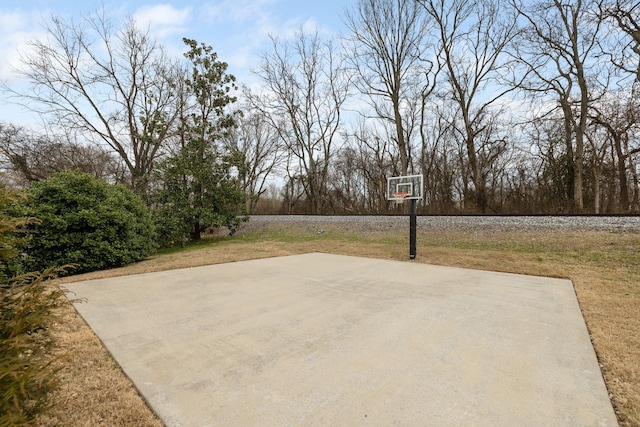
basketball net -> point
(399, 197)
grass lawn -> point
(604, 267)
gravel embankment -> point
(616, 224)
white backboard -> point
(405, 187)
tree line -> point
(504, 107)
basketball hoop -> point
(400, 195)
(409, 187)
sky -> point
(236, 29)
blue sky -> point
(236, 29)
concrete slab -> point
(321, 339)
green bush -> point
(12, 225)
(88, 223)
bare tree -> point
(305, 88)
(373, 158)
(114, 87)
(437, 160)
(596, 153)
(348, 186)
(258, 147)
(30, 157)
(558, 43)
(547, 136)
(619, 115)
(395, 63)
(474, 37)
(625, 43)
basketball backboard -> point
(405, 187)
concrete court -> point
(329, 340)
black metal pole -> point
(412, 229)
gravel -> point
(615, 224)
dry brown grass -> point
(92, 390)
(604, 267)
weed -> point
(26, 373)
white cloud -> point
(18, 29)
(12, 22)
(163, 19)
(237, 30)
(292, 28)
(236, 11)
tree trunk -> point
(597, 173)
(195, 233)
(579, 154)
(480, 191)
(635, 203)
(570, 158)
(622, 173)
(402, 143)
(578, 201)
